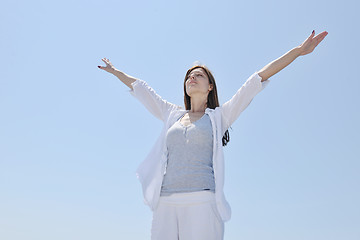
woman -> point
(183, 175)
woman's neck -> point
(198, 104)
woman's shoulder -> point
(210, 110)
(177, 110)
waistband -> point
(188, 198)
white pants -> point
(187, 216)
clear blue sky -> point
(72, 136)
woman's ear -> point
(211, 86)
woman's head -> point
(199, 80)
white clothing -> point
(151, 170)
(187, 216)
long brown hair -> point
(212, 99)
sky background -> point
(72, 136)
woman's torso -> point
(189, 168)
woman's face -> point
(197, 82)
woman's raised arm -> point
(126, 79)
(159, 107)
(305, 48)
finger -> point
(323, 34)
(320, 37)
(312, 34)
(106, 62)
(317, 41)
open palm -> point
(311, 42)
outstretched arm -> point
(305, 48)
(159, 107)
(126, 79)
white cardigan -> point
(151, 171)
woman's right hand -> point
(109, 67)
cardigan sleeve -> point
(153, 102)
(242, 98)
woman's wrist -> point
(297, 51)
(114, 71)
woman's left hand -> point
(311, 42)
